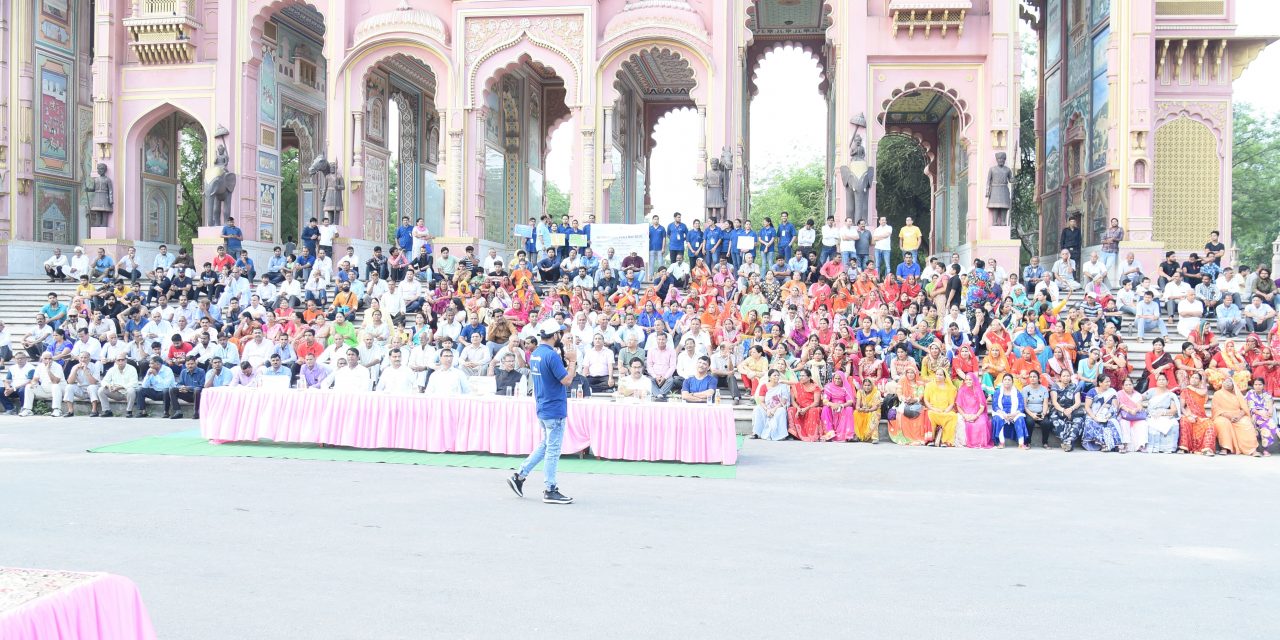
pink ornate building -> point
(1134, 120)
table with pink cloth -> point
(38, 604)
(496, 424)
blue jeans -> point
(849, 258)
(655, 260)
(883, 254)
(786, 251)
(827, 254)
(549, 449)
(768, 258)
(862, 260)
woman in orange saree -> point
(1060, 337)
(995, 363)
(1197, 428)
(1263, 363)
(911, 430)
(1232, 421)
(1023, 364)
(804, 416)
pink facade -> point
(478, 87)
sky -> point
(789, 118)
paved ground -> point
(810, 540)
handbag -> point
(1140, 414)
(912, 410)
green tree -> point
(191, 163)
(1255, 175)
(557, 201)
(902, 188)
(289, 211)
(1025, 215)
(800, 191)
(393, 199)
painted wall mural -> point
(1078, 66)
(1053, 32)
(268, 98)
(84, 129)
(1098, 196)
(1101, 10)
(159, 210)
(53, 25)
(375, 196)
(54, 117)
(1099, 121)
(55, 221)
(268, 199)
(268, 163)
(1053, 132)
(157, 148)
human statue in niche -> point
(999, 194)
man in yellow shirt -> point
(909, 239)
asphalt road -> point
(810, 540)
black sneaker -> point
(108, 414)
(517, 484)
(553, 496)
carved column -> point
(589, 171)
(478, 223)
(5, 93)
(357, 152)
(700, 171)
(103, 79)
(457, 127)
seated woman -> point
(1101, 423)
(940, 403)
(1196, 428)
(805, 413)
(1133, 417)
(1164, 410)
(974, 430)
(1262, 410)
(1232, 421)
(838, 400)
(911, 429)
(866, 417)
(1228, 363)
(769, 420)
(1008, 410)
(1067, 410)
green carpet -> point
(189, 443)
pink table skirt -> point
(51, 605)
(504, 425)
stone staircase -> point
(22, 298)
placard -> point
(624, 239)
(558, 239)
(578, 240)
(523, 230)
(746, 243)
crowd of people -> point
(812, 324)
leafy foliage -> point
(800, 191)
(557, 201)
(1255, 173)
(902, 188)
(192, 149)
(289, 212)
(1025, 216)
(393, 199)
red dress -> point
(809, 426)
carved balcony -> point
(926, 16)
(162, 31)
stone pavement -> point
(818, 540)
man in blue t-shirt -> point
(786, 236)
(232, 235)
(701, 388)
(404, 236)
(677, 233)
(657, 240)
(908, 267)
(551, 375)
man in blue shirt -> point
(232, 235)
(530, 244)
(590, 261)
(587, 228)
(564, 229)
(657, 241)
(714, 243)
(275, 266)
(768, 240)
(677, 234)
(908, 267)
(702, 388)
(404, 236)
(311, 236)
(187, 388)
(798, 264)
(786, 236)
(551, 375)
(155, 385)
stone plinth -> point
(204, 247)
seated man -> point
(190, 382)
(507, 376)
(447, 380)
(635, 384)
(1258, 317)
(701, 388)
(56, 266)
(82, 384)
(46, 383)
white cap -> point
(79, 250)
(548, 328)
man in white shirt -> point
(327, 233)
(78, 266)
(257, 349)
(830, 238)
(56, 266)
(805, 238)
(476, 356)
(596, 365)
(1174, 292)
(397, 378)
(881, 239)
(17, 377)
(1258, 317)
(686, 363)
(447, 380)
(635, 385)
(349, 260)
(680, 270)
(1094, 267)
(1064, 271)
(349, 376)
(848, 241)
(164, 260)
(323, 265)
(46, 384)
(423, 359)
(491, 261)
(82, 384)
(701, 339)
(1231, 285)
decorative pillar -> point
(103, 81)
(1131, 64)
(480, 219)
(589, 188)
(357, 150)
(700, 170)
(457, 128)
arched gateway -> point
(445, 111)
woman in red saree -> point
(804, 416)
(1022, 364)
(998, 336)
(910, 288)
(871, 367)
(1158, 362)
(1228, 363)
(964, 363)
(1115, 361)
(838, 402)
(819, 296)
(1197, 433)
(1263, 363)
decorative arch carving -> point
(265, 14)
(952, 96)
(408, 154)
(749, 14)
(554, 41)
(926, 147)
(1187, 192)
(1212, 114)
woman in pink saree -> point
(838, 399)
(971, 405)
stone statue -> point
(333, 187)
(717, 180)
(999, 196)
(102, 198)
(858, 178)
(219, 183)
